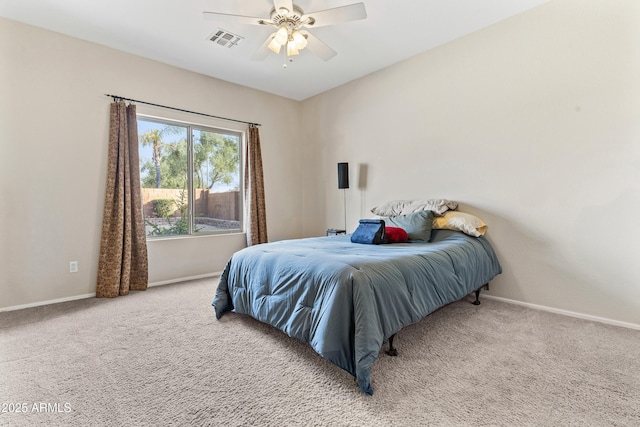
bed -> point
(347, 300)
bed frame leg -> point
(477, 301)
(392, 350)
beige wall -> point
(53, 136)
(533, 124)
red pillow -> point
(396, 235)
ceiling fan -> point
(291, 23)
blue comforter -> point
(347, 299)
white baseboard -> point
(204, 276)
(83, 296)
(51, 301)
(566, 312)
(184, 279)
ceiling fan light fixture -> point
(274, 46)
(299, 39)
(282, 35)
(292, 49)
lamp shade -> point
(343, 175)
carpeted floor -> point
(161, 358)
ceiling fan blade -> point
(351, 12)
(283, 4)
(252, 20)
(263, 51)
(318, 47)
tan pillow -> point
(460, 221)
(405, 207)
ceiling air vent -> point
(225, 38)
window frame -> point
(190, 127)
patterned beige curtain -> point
(123, 264)
(254, 190)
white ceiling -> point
(175, 32)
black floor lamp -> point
(343, 184)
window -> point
(190, 178)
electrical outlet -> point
(73, 267)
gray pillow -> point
(417, 225)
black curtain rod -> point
(121, 98)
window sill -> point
(193, 236)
